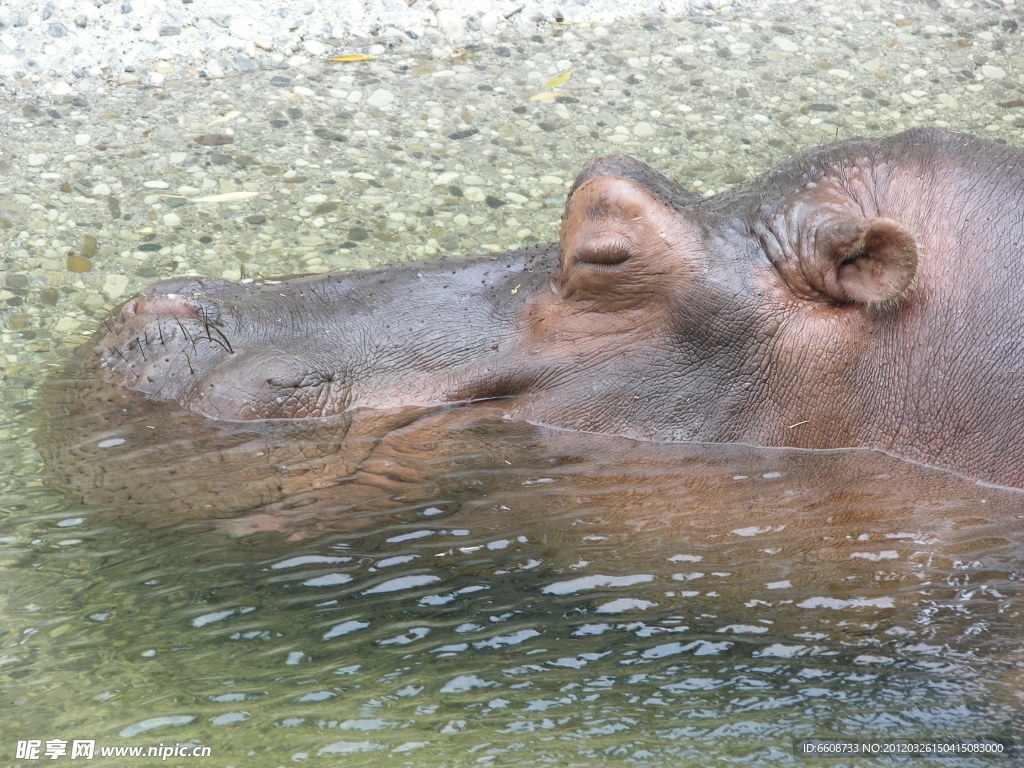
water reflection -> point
(485, 592)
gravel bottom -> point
(433, 148)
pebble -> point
(643, 130)
(115, 286)
(100, 189)
(315, 47)
(81, 139)
(380, 98)
(35, 159)
(78, 264)
(171, 219)
(214, 139)
(993, 73)
(156, 184)
(785, 44)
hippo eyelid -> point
(610, 252)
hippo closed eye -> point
(867, 293)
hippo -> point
(864, 294)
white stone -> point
(449, 23)
(643, 129)
(785, 44)
(489, 21)
(315, 47)
(380, 98)
(37, 159)
(81, 139)
(115, 286)
(171, 219)
(993, 73)
(101, 189)
(156, 184)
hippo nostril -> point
(182, 296)
(208, 316)
(185, 285)
(167, 305)
(200, 308)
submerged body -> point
(865, 294)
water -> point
(524, 595)
(532, 597)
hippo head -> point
(841, 299)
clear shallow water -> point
(653, 611)
(528, 597)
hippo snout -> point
(185, 285)
(167, 338)
(188, 296)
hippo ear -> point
(867, 262)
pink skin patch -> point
(168, 305)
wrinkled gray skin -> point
(868, 293)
